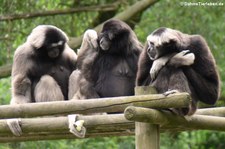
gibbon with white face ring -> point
(42, 66)
(173, 61)
(41, 69)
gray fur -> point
(23, 65)
(51, 88)
(179, 62)
(78, 83)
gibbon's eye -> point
(150, 46)
(151, 43)
(172, 41)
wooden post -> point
(146, 134)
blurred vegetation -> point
(205, 20)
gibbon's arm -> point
(88, 53)
(21, 84)
(183, 58)
(207, 87)
(203, 74)
(71, 55)
(144, 66)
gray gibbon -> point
(176, 62)
(41, 69)
(42, 66)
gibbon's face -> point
(160, 43)
(111, 30)
(105, 41)
(54, 43)
(55, 49)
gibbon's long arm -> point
(21, 84)
(203, 74)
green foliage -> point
(5, 92)
(93, 143)
(193, 140)
(205, 20)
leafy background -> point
(205, 20)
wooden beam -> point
(147, 135)
(95, 124)
(217, 111)
(167, 119)
(116, 104)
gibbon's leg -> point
(73, 83)
(47, 89)
(80, 88)
(178, 82)
(172, 80)
(21, 87)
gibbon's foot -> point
(170, 92)
(76, 126)
(14, 126)
(91, 37)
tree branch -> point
(5, 70)
(124, 16)
(127, 14)
(108, 7)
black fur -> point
(200, 79)
(114, 68)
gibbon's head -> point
(117, 37)
(164, 41)
(47, 40)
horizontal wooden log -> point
(96, 123)
(51, 128)
(218, 111)
(115, 104)
(48, 128)
(165, 118)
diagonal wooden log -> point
(75, 42)
(116, 104)
(124, 16)
(12, 17)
